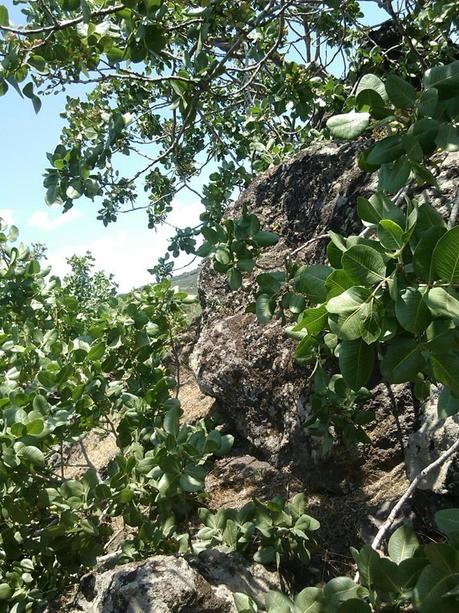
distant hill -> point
(187, 281)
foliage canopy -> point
(180, 85)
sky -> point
(126, 248)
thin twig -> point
(424, 472)
(61, 25)
(309, 242)
(396, 510)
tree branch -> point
(61, 25)
(395, 511)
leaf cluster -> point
(412, 575)
(270, 533)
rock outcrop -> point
(160, 584)
(170, 584)
(249, 368)
(262, 395)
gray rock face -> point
(249, 368)
(161, 584)
(169, 584)
(233, 572)
(426, 445)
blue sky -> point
(126, 248)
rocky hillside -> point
(248, 380)
(263, 393)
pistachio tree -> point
(180, 87)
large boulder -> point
(171, 584)
(249, 368)
(161, 584)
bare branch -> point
(61, 25)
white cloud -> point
(7, 215)
(128, 248)
(44, 221)
(127, 257)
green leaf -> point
(172, 420)
(442, 303)
(339, 590)
(265, 239)
(192, 480)
(387, 150)
(412, 312)
(378, 207)
(313, 320)
(276, 602)
(444, 78)
(409, 571)
(337, 283)
(356, 363)
(244, 604)
(349, 312)
(448, 521)
(355, 605)
(348, 125)
(391, 235)
(448, 137)
(394, 176)
(306, 348)
(310, 280)
(447, 404)
(369, 100)
(445, 367)
(422, 255)
(40, 404)
(401, 93)
(31, 455)
(271, 282)
(223, 256)
(5, 591)
(445, 258)
(403, 543)
(402, 361)
(365, 559)
(438, 578)
(246, 265)
(293, 302)
(425, 131)
(428, 103)
(264, 308)
(310, 600)
(373, 83)
(4, 18)
(385, 576)
(265, 555)
(234, 278)
(364, 265)
(28, 91)
(72, 489)
(97, 351)
(423, 175)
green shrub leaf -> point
(445, 258)
(401, 93)
(348, 125)
(412, 312)
(356, 362)
(402, 361)
(364, 265)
